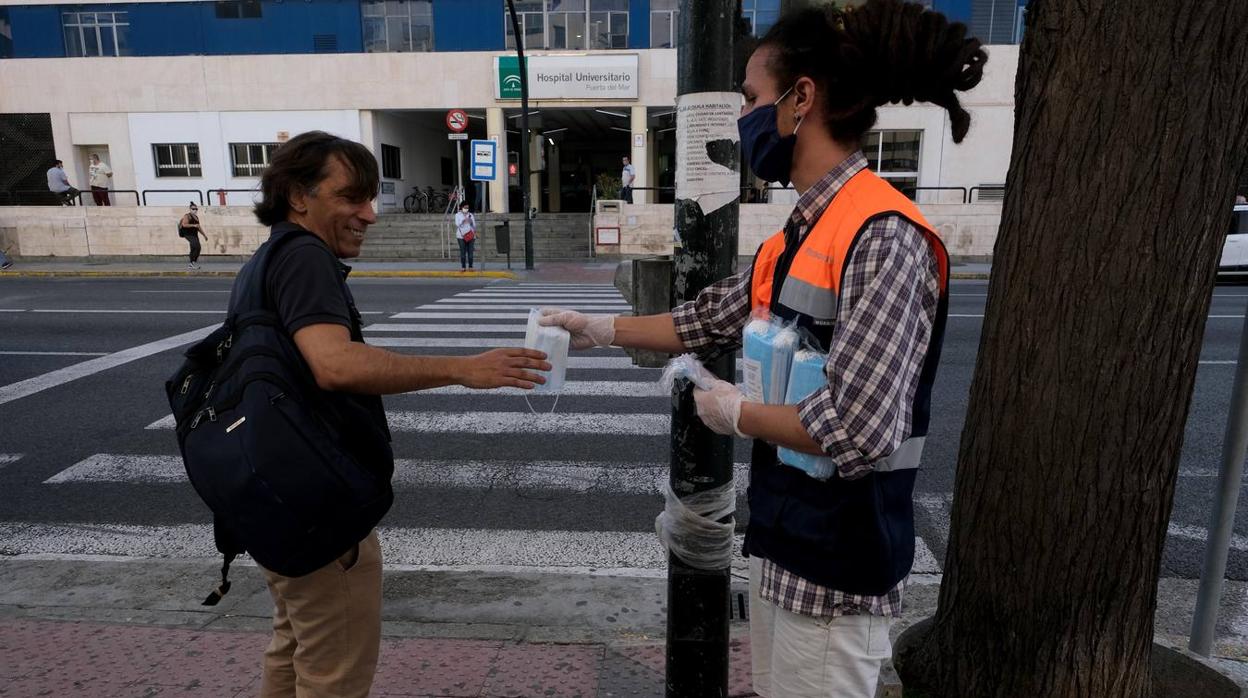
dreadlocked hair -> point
(884, 52)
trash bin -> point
(502, 237)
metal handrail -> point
(198, 193)
(52, 197)
(209, 192)
(593, 213)
(913, 191)
(971, 195)
(110, 191)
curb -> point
(230, 274)
(969, 275)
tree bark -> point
(1131, 129)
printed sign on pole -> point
(484, 161)
(457, 120)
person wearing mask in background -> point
(100, 180)
(858, 268)
(465, 234)
(627, 176)
(190, 230)
(58, 184)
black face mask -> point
(769, 154)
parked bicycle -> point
(438, 201)
(416, 202)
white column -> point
(552, 168)
(536, 153)
(368, 138)
(640, 154)
(496, 128)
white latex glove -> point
(587, 331)
(720, 407)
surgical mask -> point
(554, 342)
(769, 154)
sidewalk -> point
(105, 627)
(590, 271)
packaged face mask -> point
(767, 352)
(554, 342)
(806, 377)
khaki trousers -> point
(326, 628)
(796, 656)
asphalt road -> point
(86, 469)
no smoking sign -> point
(457, 120)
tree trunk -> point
(1131, 129)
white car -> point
(1235, 251)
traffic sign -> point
(457, 120)
(484, 161)
(457, 136)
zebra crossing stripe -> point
(561, 476)
(514, 423)
(452, 316)
(616, 309)
(445, 329)
(570, 389)
(6, 458)
(446, 342)
(517, 300)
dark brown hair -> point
(300, 164)
(884, 52)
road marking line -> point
(448, 329)
(76, 311)
(30, 386)
(616, 309)
(164, 292)
(580, 477)
(515, 423)
(452, 316)
(570, 389)
(12, 310)
(1199, 533)
(53, 353)
(6, 458)
(1219, 363)
(446, 342)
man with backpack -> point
(284, 434)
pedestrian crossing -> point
(483, 480)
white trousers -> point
(796, 656)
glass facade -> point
(397, 25)
(96, 33)
(569, 24)
(894, 155)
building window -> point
(250, 159)
(391, 163)
(760, 14)
(663, 18)
(569, 24)
(398, 25)
(96, 33)
(997, 21)
(238, 9)
(176, 159)
(894, 155)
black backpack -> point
(294, 475)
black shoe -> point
(6, 265)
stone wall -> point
(969, 230)
(124, 231)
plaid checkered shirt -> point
(889, 293)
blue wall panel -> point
(468, 25)
(283, 27)
(37, 31)
(164, 29)
(955, 10)
(639, 24)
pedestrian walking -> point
(317, 197)
(465, 235)
(58, 184)
(858, 269)
(191, 230)
(100, 180)
(627, 176)
(5, 262)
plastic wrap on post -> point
(690, 528)
(687, 367)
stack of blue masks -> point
(805, 378)
(767, 352)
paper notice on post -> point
(708, 161)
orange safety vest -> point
(855, 536)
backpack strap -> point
(248, 306)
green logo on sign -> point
(508, 77)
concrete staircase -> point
(431, 237)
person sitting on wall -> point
(58, 184)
